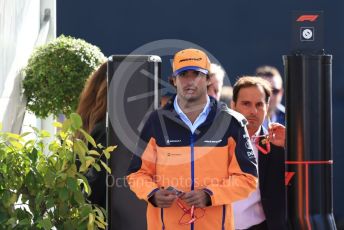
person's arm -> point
(141, 172)
(142, 167)
(242, 170)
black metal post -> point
(309, 163)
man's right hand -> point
(277, 134)
(163, 198)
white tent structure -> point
(24, 24)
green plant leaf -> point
(11, 221)
(39, 199)
(24, 222)
(35, 129)
(107, 154)
(63, 193)
(49, 179)
(72, 184)
(9, 198)
(78, 197)
(84, 181)
(62, 134)
(100, 215)
(50, 202)
(100, 224)
(106, 167)
(44, 133)
(91, 219)
(88, 137)
(3, 215)
(54, 146)
(45, 223)
(93, 152)
(66, 125)
(96, 166)
(63, 209)
(13, 136)
(83, 167)
(57, 124)
(25, 134)
(85, 210)
(61, 178)
(72, 170)
(76, 120)
(89, 161)
(80, 148)
(16, 144)
(33, 155)
(111, 148)
(108, 150)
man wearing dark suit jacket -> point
(265, 208)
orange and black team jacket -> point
(217, 158)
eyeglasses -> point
(275, 91)
(265, 74)
(190, 214)
(262, 139)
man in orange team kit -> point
(194, 157)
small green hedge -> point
(56, 74)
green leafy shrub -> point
(40, 191)
(56, 73)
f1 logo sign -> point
(307, 31)
(307, 34)
(309, 17)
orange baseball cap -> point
(191, 59)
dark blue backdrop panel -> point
(240, 34)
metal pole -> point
(309, 141)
